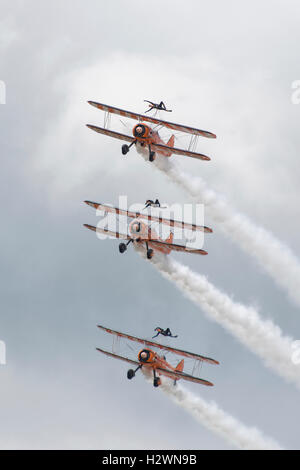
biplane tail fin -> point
(171, 141)
(170, 238)
(170, 144)
(180, 366)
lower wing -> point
(122, 358)
(174, 247)
(123, 236)
(181, 375)
(116, 135)
(177, 151)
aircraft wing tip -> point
(90, 203)
(89, 227)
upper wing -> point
(116, 135)
(175, 247)
(182, 375)
(142, 117)
(160, 346)
(107, 232)
(177, 151)
(122, 358)
(161, 220)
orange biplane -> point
(151, 361)
(141, 234)
(146, 138)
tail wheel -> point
(122, 247)
(125, 149)
(149, 253)
(130, 374)
(156, 382)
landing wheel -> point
(122, 247)
(149, 253)
(125, 149)
(156, 382)
(151, 156)
(130, 374)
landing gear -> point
(151, 154)
(149, 253)
(123, 246)
(156, 380)
(126, 148)
(131, 373)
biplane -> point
(141, 234)
(151, 361)
(146, 138)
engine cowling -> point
(146, 356)
(138, 229)
(141, 131)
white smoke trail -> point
(262, 337)
(272, 255)
(221, 423)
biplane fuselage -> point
(141, 232)
(146, 136)
(149, 359)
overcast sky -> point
(227, 67)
